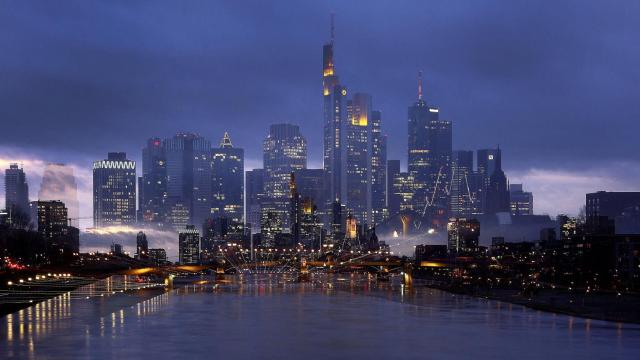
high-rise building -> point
(487, 163)
(521, 201)
(358, 158)
(463, 235)
(379, 211)
(189, 246)
(334, 97)
(603, 207)
(189, 173)
(152, 189)
(142, 246)
(59, 183)
(393, 199)
(227, 168)
(497, 191)
(52, 223)
(114, 191)
(52, 219)
(254, 185)
(285, 151)
(158, 256)
(312, 184)
(16, 190)
(429, 161)
(462, 201)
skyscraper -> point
(461, 195)
(189, 246)
(521, 201)
(254, 184)
(497, 191)
(142, 246)
(152, 189)
(114, 191)
(59, 183)
(285, 151)
(63, 240)
(227, 186)
(334, 96)
(462, 236)
(52, 219)
(189, 173)
(312, 184)
(429, 160)
(378, 170)
(393, 199)
(358, 158)
(16, 190)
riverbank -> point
(598, 306)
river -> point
(332, 317)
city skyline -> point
(328, 179)
(486, 107)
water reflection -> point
(332, 316)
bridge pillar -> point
(168, 281)
(407, 275)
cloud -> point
(34, 165)
(102, 238)
(562, 191)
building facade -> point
(189, 174)
(227, 185)
(285, 151)
(16, 190)
(189, 246)
(114, 191)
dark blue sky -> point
(554, 83)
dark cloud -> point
(553, 83)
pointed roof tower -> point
(226, 141)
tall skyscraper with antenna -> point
(334, 107)
(429, 158)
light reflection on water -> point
(264, 317)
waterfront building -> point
(189, 246)
(188, 167)
(59, 183)
(142, 246)
(462, 236)
(114, 191)
(152, 188)
(227, 186)
(158, 256)
(521, 201)
(16, 190)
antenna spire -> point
(420, 85)
(333, 28)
